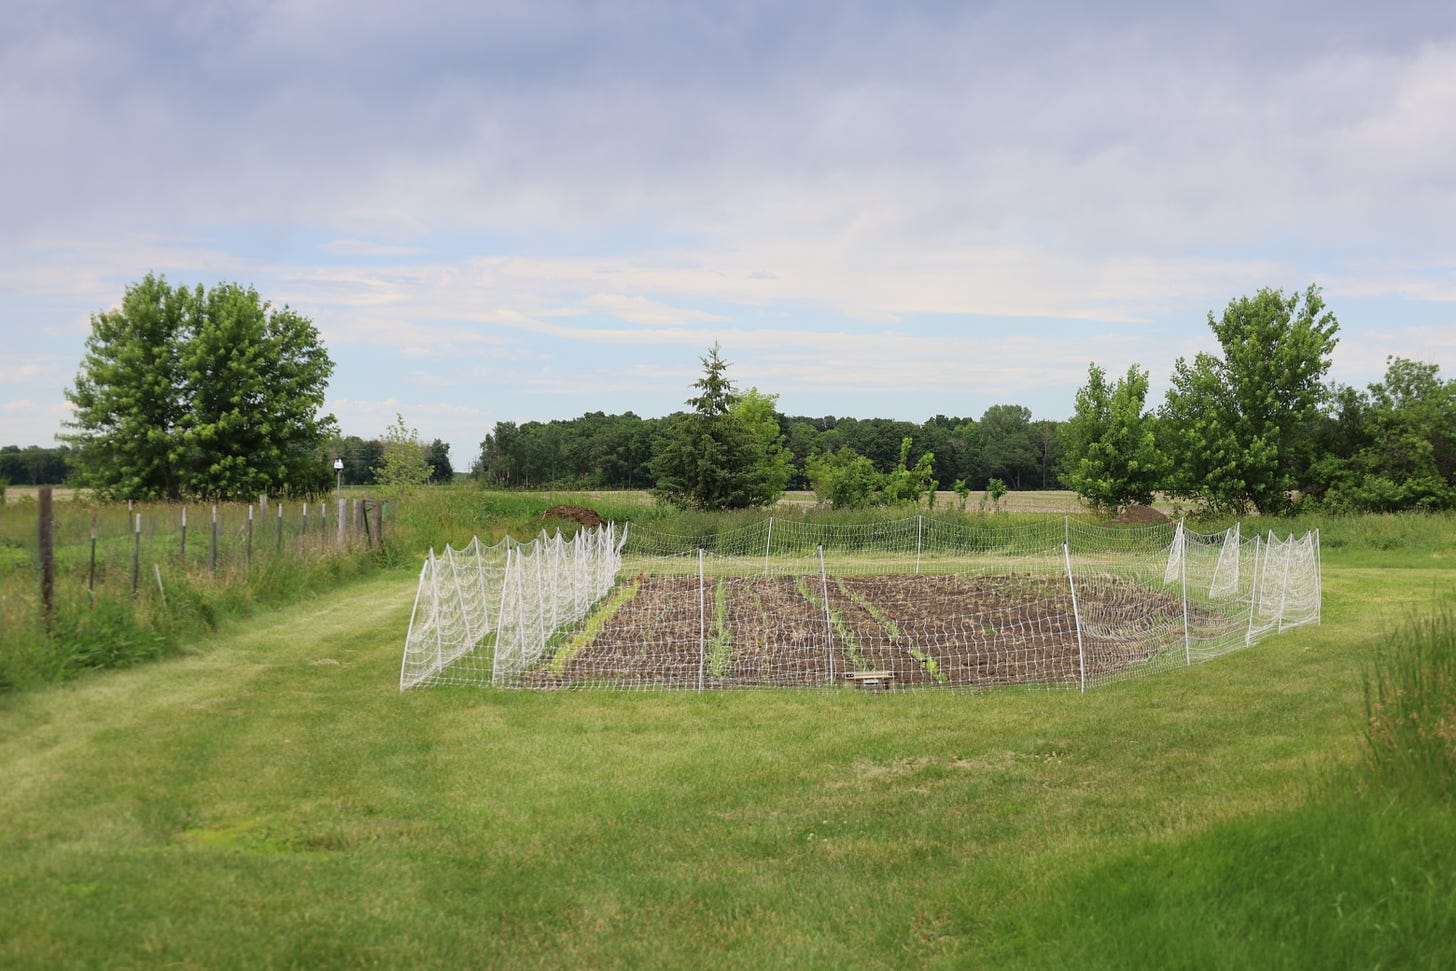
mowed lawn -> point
(271, 800)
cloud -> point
(361, 247)
(640, 310)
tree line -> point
(363, 459)
(602, 451)
(193, 393)
(1252, 427)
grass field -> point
(270, 800)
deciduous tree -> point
(215, 394)
(406, 464)
(1112, 459)
(1239, 424)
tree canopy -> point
(208, 394)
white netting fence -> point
(913, 602)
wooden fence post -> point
(47, 557)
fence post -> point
(702, 622)
(248, 543)
(1076, 619)
(919, 529)
(182, 551)
(280, 525)
(91, 573)
(1319, 586)
(1254, 589)
(341, 521)
(501, 641)
(828, 617)
(768, 546)
(47, 556)
(1183, 582)
(212, 553)
(379, 522)
(136, 557)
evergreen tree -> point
(708, 458)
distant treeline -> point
(601, 451)
(35, 465)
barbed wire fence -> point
(72, 550)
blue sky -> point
(515, 211)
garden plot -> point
(930, 631)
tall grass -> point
(127, 597)
(1410, 709)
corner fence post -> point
(1183, 582)
(1319, 583)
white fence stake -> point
(1076, 619)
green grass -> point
(268, 799)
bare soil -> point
(953, 630)
(577, 514)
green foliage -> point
(596, 621)
(995, 491)
(756, 411)
(1238, 425)
(34, 465)
(930, 664)
(211, 394)
(438, 456)
(847, 480)
(1392, 447)
(1009, 443)
(720, 644)
(1111, 456)
(406, 463)
(844, 479)
(708, 458)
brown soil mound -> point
(577, 514)
(1141, 515)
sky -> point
(514, 211)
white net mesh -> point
(912, 602)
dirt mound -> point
(577, 514)
(1141, 515)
